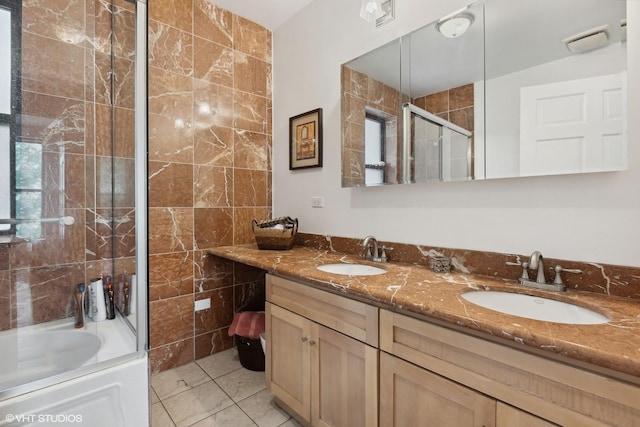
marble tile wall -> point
(70, 99)
(209, 171)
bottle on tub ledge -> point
(109, 297)
(97, 308)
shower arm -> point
(66, 220)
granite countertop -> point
(416, 289)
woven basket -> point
(273, 239)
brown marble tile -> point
(70, 167)
(249, 296)
(213, 146)
(170, 49)
(213, 62)
(249, 112)
(219, 315)
(213, 106)
(123, 236)
(44, 294)
(242, 218)
(170, 184)
(243, 273)
(124, 31)
(213, 227)
(124, 138)
(124, 84)
(102, 121)
(251, 38)
(60, 244)
(98, 19)
(212, 342)
(212, 22)
(170, 230)
(98, 234)
(123, 182)
(98, 85)
(170, 275)
(178, 14)
(5, 300)
(461, 97)
(463, 118)
(251, 151)
(171, 355)
(437, 102)
(213, 187)
(54, 122)
(62, 20)
(250, 74)
(5, 258)
(170, 138)
(170, 320)
(250, 187)
(52, 67)
(212, 272)
(170, 94)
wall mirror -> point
(499, 89)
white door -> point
(574, 126)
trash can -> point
(247, 327)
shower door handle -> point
(66, 220)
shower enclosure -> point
(73, 212)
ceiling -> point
(268, 13)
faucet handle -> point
(525, 268)
(559, 269)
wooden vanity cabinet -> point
(322, 356)
(449, 369)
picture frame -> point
(305, 140)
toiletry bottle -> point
(125, 298)
(110, 301)
(97, 300)
(80, 306)
(132, 294)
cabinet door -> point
(288, 371)
(412, 396)
(344, 380)
(507, 416)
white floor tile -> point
(221, 363)
(241, 383)
(230, 417)
(262, 410)
(291, 423)
(197, 404)
(176, 380)
(159, 416)
(154, 396)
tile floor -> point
(214, 391)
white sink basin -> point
(351, 269)
(533, 307)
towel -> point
(248, 324)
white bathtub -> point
(56, 374)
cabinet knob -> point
(304, 339)
(312, 342)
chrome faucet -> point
(537, 262)
(373, 255)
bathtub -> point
(55, 374)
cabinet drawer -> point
(350, 317)
(563, 394)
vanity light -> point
(455, 26)
(382, 11)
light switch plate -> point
(201, 304)
(317, 202)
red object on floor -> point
(249, 324)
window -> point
(10, 36)
(374, 149)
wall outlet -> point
(201, 304)
(317, 202)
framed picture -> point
(305, 140)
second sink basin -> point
(536, 308)
(351, 269)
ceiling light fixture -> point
(455, 26)
(381, 11)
